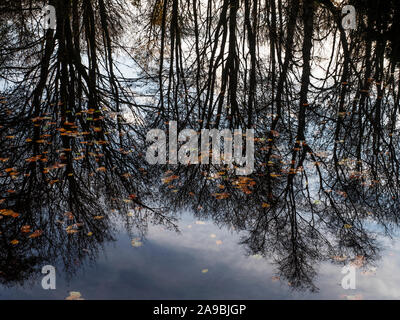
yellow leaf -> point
(136, 243)
(74, 295)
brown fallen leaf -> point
(74, 295)
(35, 234)
(26, 229)
(136, 243)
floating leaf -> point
(35, 234)
(358, 261)
(74, 295)
(339, 258)
(8, 212)
(136, 243)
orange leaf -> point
(35, 234)
(26, 229)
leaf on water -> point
(218, 242)
(98, 217)
(14, 242)
(69, 215)
(136, 243)
(8, 212)
(339, 258)
(70, 230)
(221, 196)
(35, 234)
(358, 261)
(213, 235)
(204, 271)
(74, 295)
(347, 226)
(200, 222)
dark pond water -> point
(78, 193)
(202, 261)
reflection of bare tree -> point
(281, 218)
(63, 204)
(327, 142)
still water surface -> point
(203, 261)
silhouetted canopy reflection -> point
(323, 102)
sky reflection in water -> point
(169, 266)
